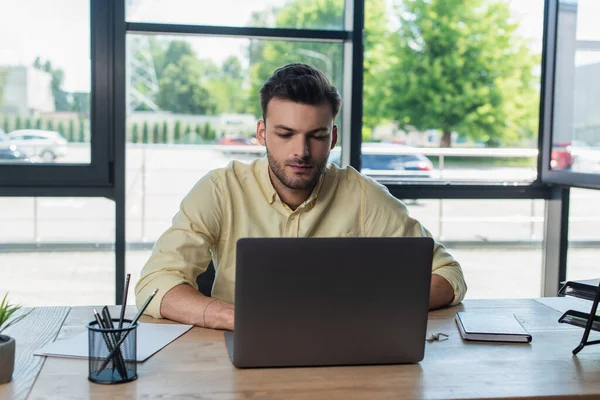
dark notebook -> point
(491, 327)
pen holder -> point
(122, 365)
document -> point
(150, 339)
(491, 327)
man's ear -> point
(334, 136)
(261, 132)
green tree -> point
(181, 89)
(81, 136)
(156, 133)
(49, 125)
(226, 87)
(4, 74)
(165, 132)
(209, 133)
(61, 101)
(135, 133)
(71, 134)
(198, 134)
(6, 124)
(177, 132)
(327, 57)
(145, 132)
(61, 128)
(459, 65)
(18, 123)
(38, 123)
(28, 124)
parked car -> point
(393, 164)
(47, 145)
(10, 151)
(586, 159)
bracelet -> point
(204, 313)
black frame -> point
(94, 178)
(549, 175)
(105, 176)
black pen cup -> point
(122, 365)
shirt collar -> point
(269, 190)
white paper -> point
(150, 339)
(563, 304)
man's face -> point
(298, 138)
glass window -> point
(45, 79)
(57, 251)
(584, 237)
(576, 125)
(301, 14)
(456, 86)
(193, 106)
(494, 240)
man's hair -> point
(300, 83)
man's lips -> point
(300, 168)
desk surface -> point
(197, 365)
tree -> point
(71, 134)
(61, 101)
(156, 133)
(38, 123)
(181, 90)
(307, 14)
(165, 132)
(49, 125)
(145, 132)
(28, 124)
(6, 124)
(18, 123)
(4, 74)
(226, 87)
(209, 133)
(458, 65)
(61, 128)
(177, 132)
(81, 137)
(135, 134)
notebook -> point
(491, 327)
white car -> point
(48, 145)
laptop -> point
(330, 301)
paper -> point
(563, 304)
(150, 339)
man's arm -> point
(182, 253)
(185, 304)
(441, 293)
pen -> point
(135, 320)
(119, 361)
(125, 290)
(107, 341)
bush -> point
(165, 133)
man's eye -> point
(320, 137)
(284, 135)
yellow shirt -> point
(240, 201)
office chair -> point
(205, 280)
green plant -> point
(6, 310)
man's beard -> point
(296, 183)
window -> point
(193, 106)
(456, 86)
(305, 14)
(45, 72)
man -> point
(292, 192)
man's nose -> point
(301, 147)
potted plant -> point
(7, 344)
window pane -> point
(456, 85)
(576, 129)
(584, 238)
(301, 14)
(193, 107)
(57, 251)
(45, 81)
(494, 241)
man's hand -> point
(185, 304)
(441, 292)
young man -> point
(290, 193)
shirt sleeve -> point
(183, 251)
(384, 215)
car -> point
(393, 162)
(586, 159)
(47, 145)
(237, 141)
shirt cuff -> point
(458, 285)
(163, 284)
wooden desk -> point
(197, 366)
